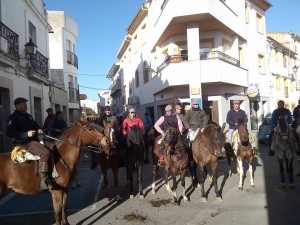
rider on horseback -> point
(161, 126)
(194, 120)
(130, 121)
(280, 111)
(26, 134)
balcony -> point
(115, 86)
(9, 42)
(40, 64)
(73, 95)
(216, 68)
(72, 59)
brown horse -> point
(176, 160)
(135, 149)
(241, 150)
(207, 147)
(109, 159)
(22, 179)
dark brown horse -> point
(135, 157)
(207, 147)
(176, 160)
(22, 179)
(109, 159)
(241, 149)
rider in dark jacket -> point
(25, 133)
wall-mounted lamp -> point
(295, 68)
(30, 49)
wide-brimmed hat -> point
(168, 108)
(132, 110)
(20, 100)
(236, 102)
(178, 107)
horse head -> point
(96, 132)
(282, 128)
(171, 134)
(213, 134)
(109, 132)
(243, 132)
(135, 135)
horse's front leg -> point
(290, 171)
(193, 171)
(64, 208)
(252, 185)
(140, 178)
(182, 179)
(281, 169)
(154, 171)
(174, 187)
(228, 152)
(57, 201)
(105, 183)
(241, 173)
(214, 167)
(166, 174)
(203, 176)
(130, 178)
(115, 170)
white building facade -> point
(21, 74)
(64, 64)
(216, 53)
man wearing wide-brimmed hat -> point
(195, 120)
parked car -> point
(264, 130)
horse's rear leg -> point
(241, 173)
(282, 175)
(140, 178)
(290, 171)
(193, 171)
(252, 185)
(154, 171)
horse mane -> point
(135, 134)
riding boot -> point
(46, 182)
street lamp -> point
(295, 68)
(31, 49)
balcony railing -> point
(73, 94)
(9, 42)
(220, 56)
(72, 59)
(40, 64)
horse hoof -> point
(106, 199)
(118, 198)
(240, 188)
(176, 203)
(208, 177)
(142, 196)
(153, 191)
(199, 185)
(203, 199)
(219, 198)
(131, 196)
(185, 199)
(252, 185)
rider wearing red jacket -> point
(131, 121)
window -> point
(292, 85)
(278, 82)
(32, 32)
(247, 13)
(137, 82)
(261, 64)
(284, 60)
(286, 88)
(146, 72)
(259, 23)
(277, 55)
(68, 45)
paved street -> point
(267, 203)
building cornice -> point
(124, 46)
(262, 4)
(138, 19)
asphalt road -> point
(267, 203)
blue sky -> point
(102, 27)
